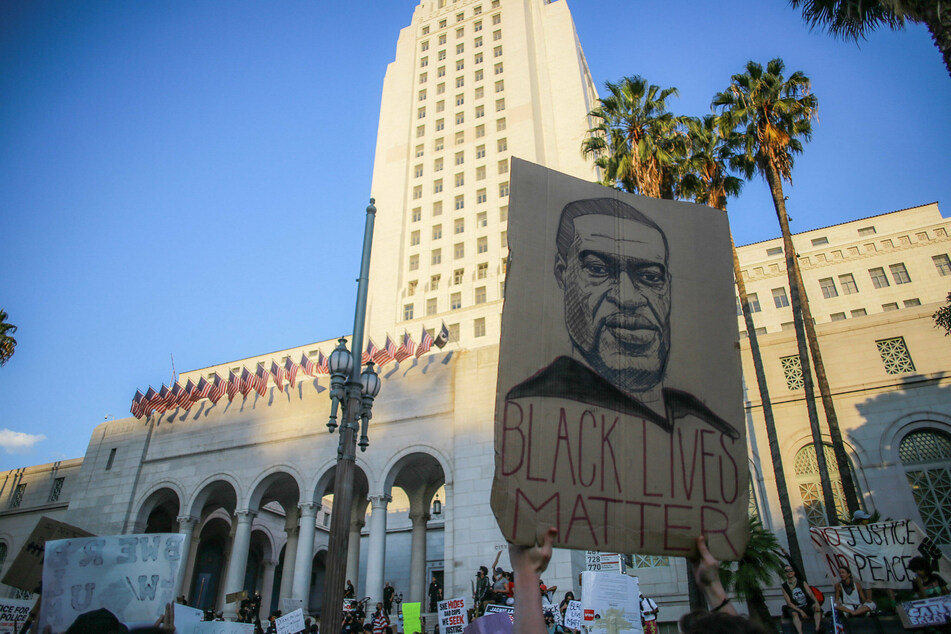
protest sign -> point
(453, 616)
(132, 576)
(926, 612)
(604, 562)
(619, 406)
(497, 623)
(610, 602)
(877, 554)
(26, 571)
(216, 627)
(411, 622)
(13, 613)
(573, 615)
(288, 605)
(234, 597)
(290, 623)
(186, 616)
(349, 605)
(499, 609)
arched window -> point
(925, 454)
(807, 476)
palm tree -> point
(773, 113)
(754, 571)
(708, 180)
(852, 19)
(636, 141)
(7, 342)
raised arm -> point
(528, 563)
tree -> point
(853, 19)
(942, 317)
(754, 571)
(772, 113)
(7, 342)
(636, 141)
(707, 178)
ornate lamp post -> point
(352, 392)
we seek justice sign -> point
(619, 416)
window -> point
(480, 195)
(816, 242)
(503, 167)
(482, 271)
(420, 131)
(440, 124)
(460, 180)
(910, 303)
(437, 186)
(424, 46)
(477, 26)
(878, 277)
(417, 214)
(459, 250)
(437, 208)
(457, 276)
(460, 49)
(780, 298)
(479, 75)
(477, 59)
(460, 158)
(866, 231)
(418, 171)
(899, 273)
(480, 112)
(424, 62)
(460, 81)
(942, 263)
(480, 176)
(497, 52)
(788, 325)
(500, 124)
(460, 202)
(431, 306)
(459, 225)
(926, 456)
(419, 151)
(480, 131)
(504, 237)
(503, 190)
(112, 458)
(503, 145)
(828, 288)
(407, 312)
(482, 245)
(497, 18)
(503, 214)
(422, 95)
(413, 262)
(414, 238)
(453, 332)
(753, 300)
(441, 71)
(436, 257)
(17, 497)
(477, 11)
(858, 312)
(837, 316)
(437, 165)
(442, 38)
(455, 301)
(480, 295)
(459, 18)
(411, 288)
(890, 306)
(434, 282)
(807, 476)
(460, 99)
(499, 86)
(482, 218)
(460, 138)
(479, 92)
(425, 30)
(774, 251)
(895, 356)
(440, 106)
(499, 68)
(417, 192)
(478, 327)
(438, 144)
(505, 266)
(421, 113)
(440, 89)
(497, 35)
(848, 284)
(460, 65)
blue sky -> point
(189, 178)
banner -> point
(13, 613)
(876, 554)
(610, 602)
(453, 616)
(574, 616)
(619, 406)
(291, 623)
(411, 622)
(26, 571)
(131, 576)
(499, 609)
(926, 612)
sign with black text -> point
(453, 617)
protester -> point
(800, 600)
(481, 589)
(563, 606)
(850, 597)
(380, 619)
(649, 612)
(926, 583)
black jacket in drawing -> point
(570, 379)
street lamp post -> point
(353, 393)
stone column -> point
(449, 545)
(267, 590)
(376, 555)
(186, 526)
(305, 552)
(417, 558)
(238, 562)
(290, 561)
(353, 552)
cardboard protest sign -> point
(497, 623)
(411, 622)
(13, 613)
(453, 616)
(290, 623)
(26, 571)
(132, 576)
(186, 616)
(619, 409)
(234, 597)
(926, 612)
(573, 616)
(610, 602)
(876, 554)
(289, 605)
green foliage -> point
(942, 317)
(706, 170)
(7, 342)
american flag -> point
(369, 353)
(260, 380)
(290, 368)
(148, 402)
(247, 382)
(137, 408)
(164, 400)
(202, 390)
(188, 395)
(235, 385)
(405, 351)
(307, 365)
(277, 372)
(179, 397)
(385, 354)
(425, 343)
(219, 387)
(323, 364)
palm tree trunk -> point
(774, 453)
(779, 201)
(838, 447)
(759, 613)
(938, 20)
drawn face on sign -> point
(616, 291)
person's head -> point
(569, 596)
(483, 571)
(844, 573)
(612, 266)
(789, 572)
(379, 606)
(919, 565)
(861, 517)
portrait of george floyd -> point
(619, 409)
